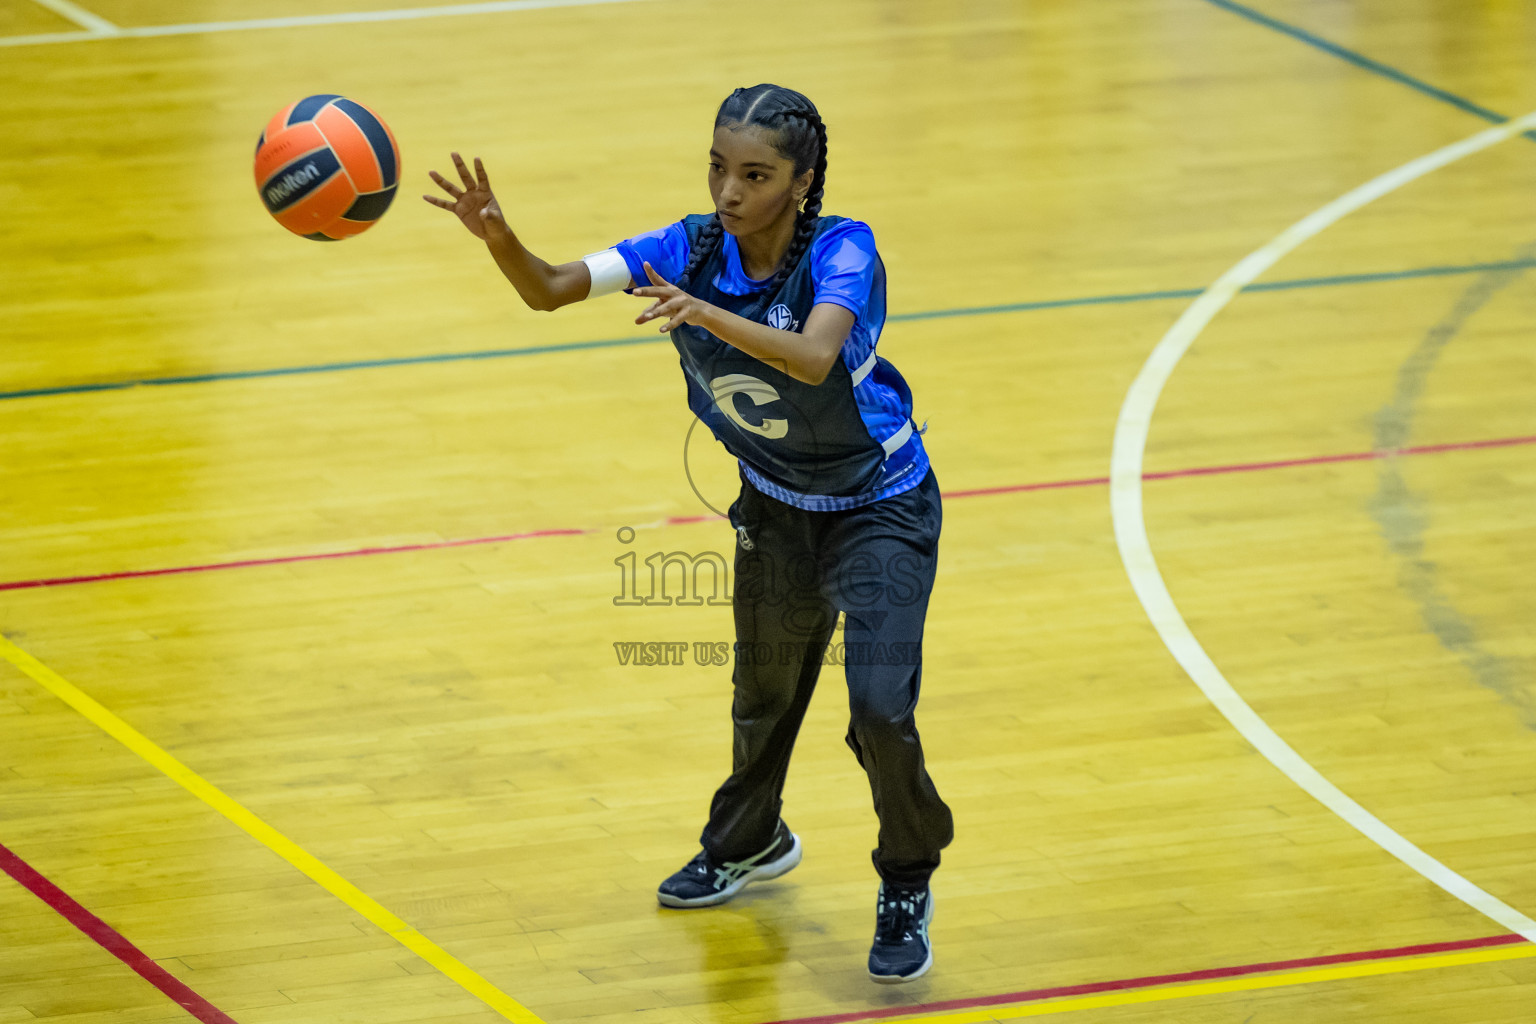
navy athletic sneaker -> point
(901, 951)
(703, 883)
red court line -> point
(1152, 981)
(1317, 460)
(1049, 485)
(64, 581)
(683, 520)
(110, 940)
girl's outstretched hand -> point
(474, 204)
(671, 301)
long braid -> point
(703, 249)
(805, 222)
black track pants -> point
(795, 570)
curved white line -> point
(1136, 553)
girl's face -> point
(752, 185)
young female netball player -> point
(775, 312)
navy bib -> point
(807, 438)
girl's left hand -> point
(671, 302)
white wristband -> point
(609, 272)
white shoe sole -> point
(761, 873)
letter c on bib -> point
(761, 393)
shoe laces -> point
(897, 913)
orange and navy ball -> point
(327, 167)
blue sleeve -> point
(666, 249)
(843, 262)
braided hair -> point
(800, 136)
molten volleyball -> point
(327, 167)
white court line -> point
(94, 23)
(1136, 552)
(297, 21)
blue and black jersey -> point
(845, 442)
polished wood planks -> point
(451, 730)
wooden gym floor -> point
(310, 706)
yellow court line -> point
(1210, 988)
(268, 836)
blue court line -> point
(1362, 61)
(932, 314)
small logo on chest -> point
(781, 318)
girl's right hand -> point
(474, 204)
